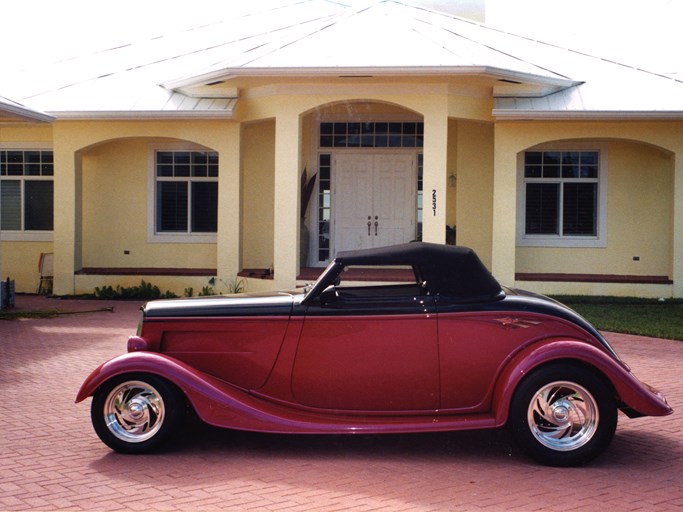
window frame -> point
(553, 240)
(24, 235)
(189, 237)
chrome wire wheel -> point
(563, 416)
(137, 412)
(134, 411)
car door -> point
(473, 346)
(364, 350)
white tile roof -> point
(386, 36)
(150, 77)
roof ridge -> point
(499, 30)
(178, 33)
(497, 50)
(575, 51)
(219, 68)
(326, 22)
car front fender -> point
(137, 362)
(202, 391)
(637, 398)
(220, 404)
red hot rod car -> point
(451, 350)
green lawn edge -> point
(657, 318)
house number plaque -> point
(434, 201)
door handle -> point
(376, 224)
(369, 224)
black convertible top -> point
(448, 270)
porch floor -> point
(593, 278)
(305, 274)
(362, 274)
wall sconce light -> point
(451, 180)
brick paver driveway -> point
(51, 459)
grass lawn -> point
(646, 317)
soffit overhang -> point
(505, 83)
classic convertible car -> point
(451, 350)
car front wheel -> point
(136, 413)
(563, 415)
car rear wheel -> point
(563, 415)
(136, 413)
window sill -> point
(182, 238)
(577, 242)
(26, 236)
(143, 271)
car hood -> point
(243, 304)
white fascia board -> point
(130, 115)
(497, 73)
(526, 90)
(592, 115)
(24, 113)
(531, 79)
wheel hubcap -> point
(134, 411)
(563, 416)
(560, 413)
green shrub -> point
(145, 291)
(230, 287)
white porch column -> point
(287, 199)
(504, 210)
(678, 227)
(435, 175)
(68, 216)
(228, 236)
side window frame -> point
(545, 240)
(153, 235)
(42, 175)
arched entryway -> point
(367, 159)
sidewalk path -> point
(50, 458)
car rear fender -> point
(631, 394)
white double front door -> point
(375, 200)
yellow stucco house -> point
(180, 158)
